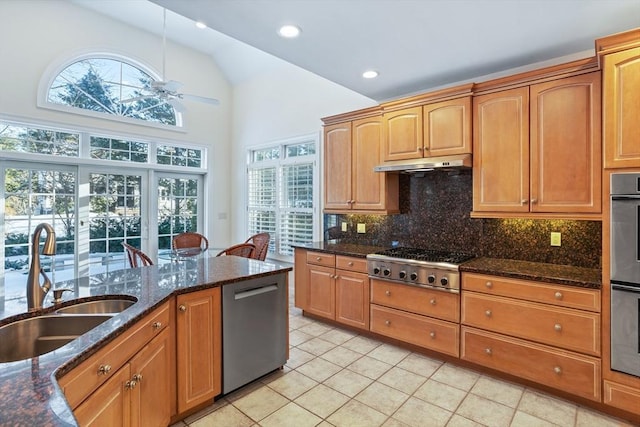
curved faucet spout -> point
(35, 291)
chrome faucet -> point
(35, 291)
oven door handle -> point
(626, 288)
(626, 197)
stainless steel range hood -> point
(426, 164)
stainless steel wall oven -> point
(625, 272)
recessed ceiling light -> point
(289, 31)
(201, 25)
(370, 74)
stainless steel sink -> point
(102, 306)
(35, 336)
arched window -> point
(110, 86)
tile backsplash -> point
(435, 212)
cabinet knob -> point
(350, 263)
(487, 313)
(558, 295)
(387, 322)
(489, 284)
(557, 327)
(130, 385)
(534, 201)
(557, 370)
(104, 369)
(136, 378)
(182, 308)
(523, 202)
(432, 301)
(488, 351)
(156, 325)
(387, 293)
(318, 258)
(432, 334)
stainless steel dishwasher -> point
(254, 329)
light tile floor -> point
(338, 378)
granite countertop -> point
(347, 249)
(554, 273)
(30, 393)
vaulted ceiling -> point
(415, 45)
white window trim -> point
(57, 66)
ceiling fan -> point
(167, 90)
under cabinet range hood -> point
(425, 164)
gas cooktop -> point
(428, 255)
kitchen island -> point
(30, 389)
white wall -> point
(285, 103)
(36, 35)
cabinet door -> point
(337, 166)
(566, 156)
(198, 351)
(403, 134)
(501, 151)
(622, 109)
(368, 187)
(447, 127)
(109, 405)
(150, 398)
(322, 291)
(352, 299)
(301, 278)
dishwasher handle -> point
(255, 291)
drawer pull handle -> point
(350, 263)
(557, 370)
(489, 285)
(433, 301)
(156, 325)
(104, 369)
(488, 351)
(487, 313)
(387, 322)
(182, 308)
(387, 293)
(318, 258)
(432, 334)
(558, 295)
(557, 327)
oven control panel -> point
(414, 274)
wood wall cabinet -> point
(620, 59)
(424, 317)
(198, 347)
(352, 150)
(537, 150)
(129, 381)
(337, 288)
(560, 349)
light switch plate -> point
(362, 228)
(344, 226)
(556, 239)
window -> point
(178, 202)
(118, 149)
(282, 193)
(110, 87)
(29, 139)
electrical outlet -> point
(362, 228)
(556, 239)
(344, 226)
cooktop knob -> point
(414, 276)
(402, 274)
(431, 278)
(386, 272)
(444, 281)
(376, 270)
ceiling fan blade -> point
(176, 104)
(204, 99)
(168, 86)
(136, 98)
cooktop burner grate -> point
(428, 255)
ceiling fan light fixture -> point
(289, 31)
(201, 25)
(370, 74)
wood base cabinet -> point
(198, 347)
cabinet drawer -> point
(352, 264)
(321, 258)
(570, 372)
(565, 296)
(442, 305)
(621, 396)
(419, 330)
(98, 368)
(562, 327)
